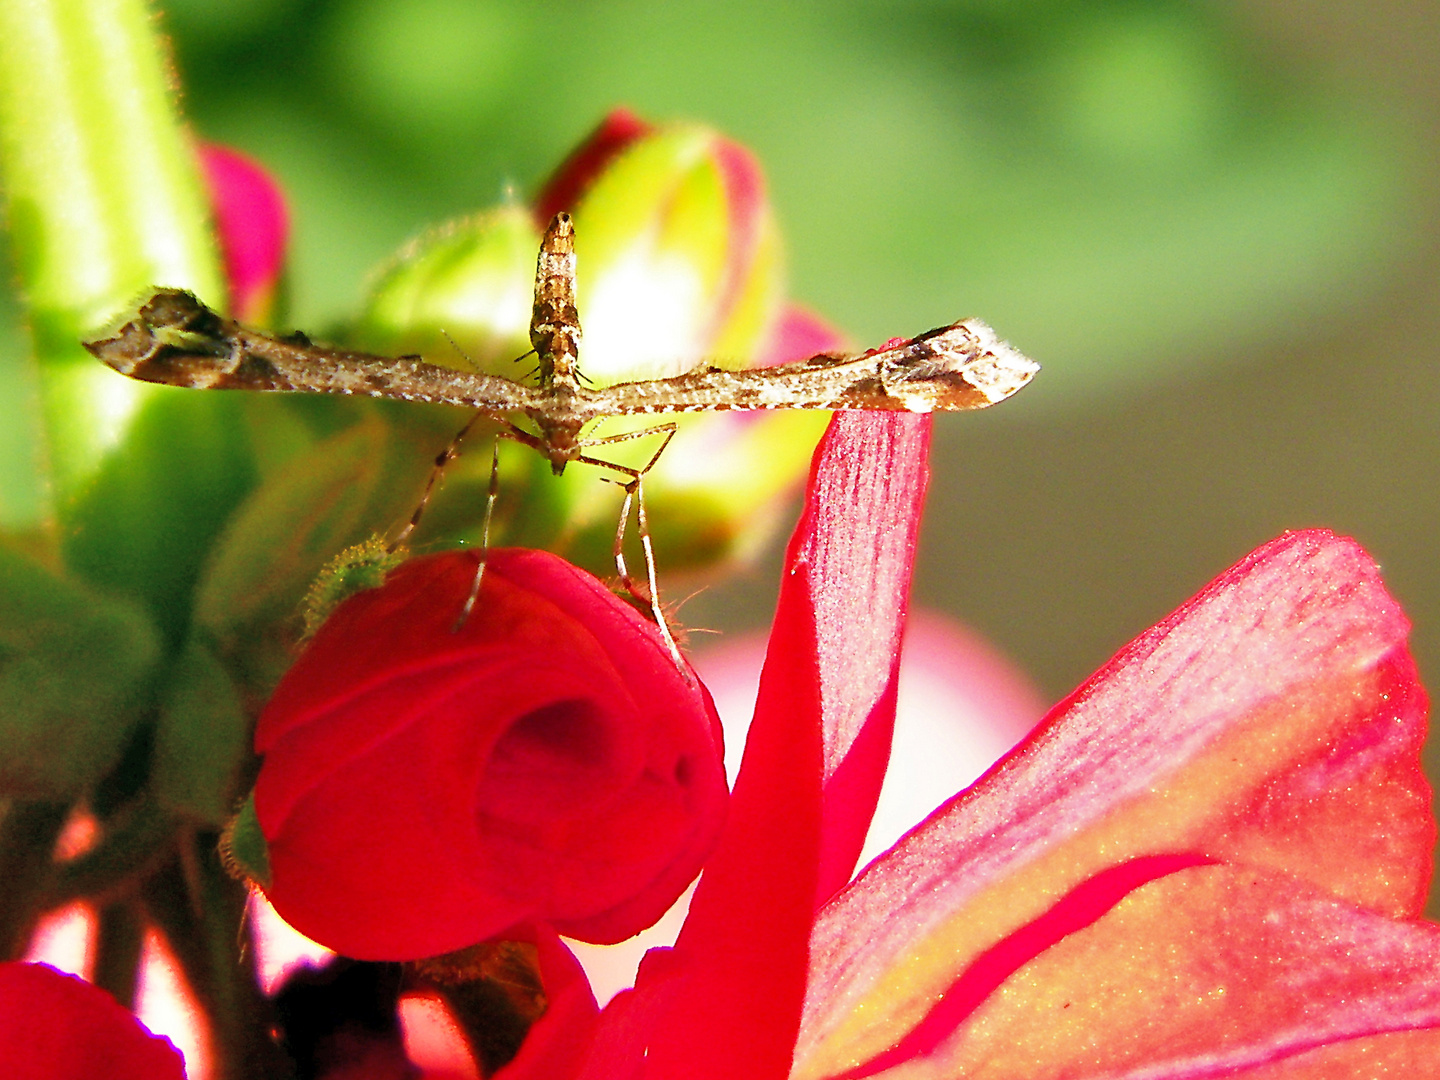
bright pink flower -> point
(1203, 861)
(424, 787)
(57, 1027)
(1208, 861)
(252, 225)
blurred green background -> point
(1214, 223)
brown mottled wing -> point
(964, 366)
(177, 340)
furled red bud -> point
(252, 225)
(58, 1027)
(426, 786)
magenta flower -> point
(1207, 861)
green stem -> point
(104, 200)
(201, 911)
(27, 845)
(117, 950)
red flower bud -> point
(252, 225)
(426, 787)
(58, 1027)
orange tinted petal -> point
(1279, 700)
(1207, 972)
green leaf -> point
(159, 502)
(324, 499)
(74, 669)
(24, 501)
(202, 738)
(104, 199)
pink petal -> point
(960, 706)
(1398, 1054)
(1079, 908)
(856, 547)
(799, 334)
(253, 227)
(1281, 694)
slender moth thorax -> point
(175, 339)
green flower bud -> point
(470, 280)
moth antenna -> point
(456, 346)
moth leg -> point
(442, 459)
(629, 436)
(515, 434)
(490, 498)
(634, 492)
(449, 454)
(643, 527)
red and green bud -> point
(562, 191)
(678, 258)
(678, 264)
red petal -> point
(58, 1027)
(568, 182)
(798, 335)
(558, 1042)
(1282, 693)
(252, 224)
(726, 1002)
